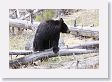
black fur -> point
(48, 34)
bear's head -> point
(63, 27)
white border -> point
(102, 72)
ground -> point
(58, 62)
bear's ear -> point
(61, 20)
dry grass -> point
(84, 17)
(70, 39)
(18, 41)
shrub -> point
(45, 15)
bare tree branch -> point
(27, 15)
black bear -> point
(48, 34)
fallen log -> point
(77, 31)
(85, 31)
(20, 52)
(22, 24)
(87, 45)
(39, 55)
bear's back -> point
(51, 22)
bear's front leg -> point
(55, 49)
(55, 46)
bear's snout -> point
(68, 31)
